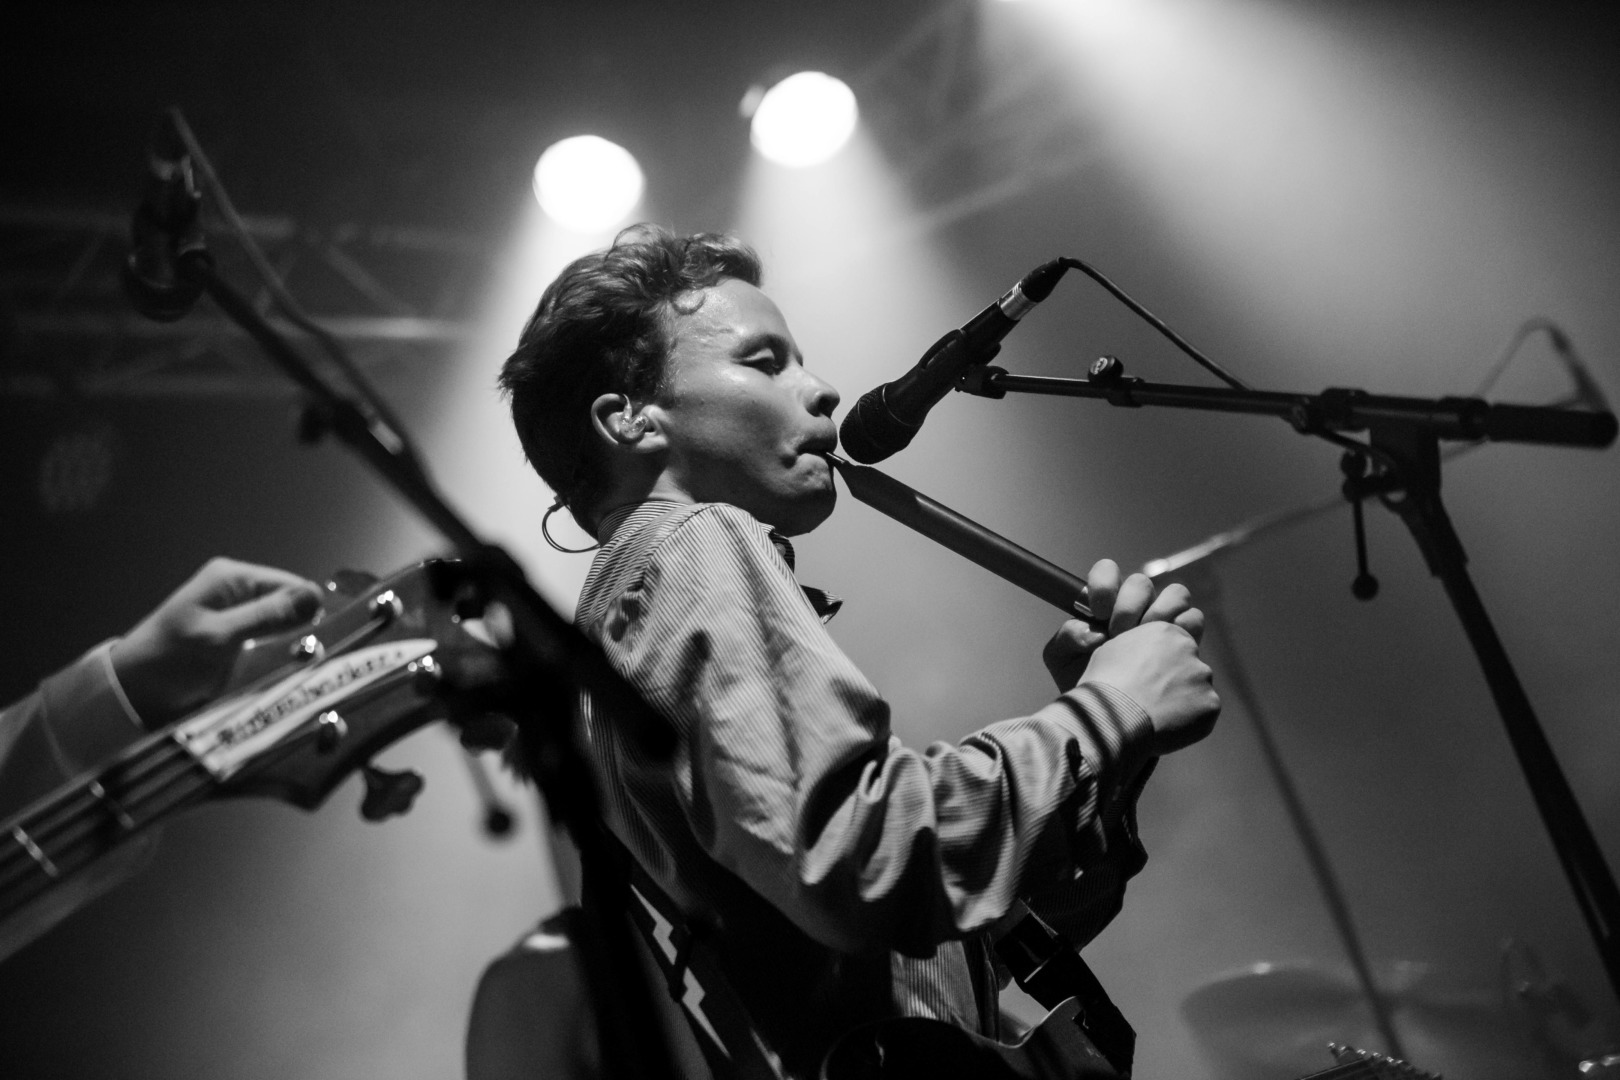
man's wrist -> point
(1121, 731)
(105, 649)
(86, 715)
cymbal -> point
(1271, 1021)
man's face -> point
(745, 422)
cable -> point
(1157, 323)
(1586, 390)
(1344, 442)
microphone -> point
(884, 420)
(164, 230)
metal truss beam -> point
(392, 295)
(965, 134)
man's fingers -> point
(282, 608)
(1133, 599)
(223, 583)
(1192, 621)
(1172, 601)
(1102, 585)
(1068, 651)
(1074, 639)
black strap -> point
(1050, 970)
(691, 975)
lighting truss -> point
(397, 298)
(965, 134)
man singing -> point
(660, 393)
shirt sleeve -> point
(77, 718)
(788, 777)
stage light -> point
(804, 119)
(587, 184)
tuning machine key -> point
(387, 606)
(308, 647)
(388, 793)
(427, 675)
(330, 729)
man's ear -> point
(617, 420)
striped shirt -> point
(849, 878)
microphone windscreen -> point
(871, 432)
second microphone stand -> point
(1404, 437)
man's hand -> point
(180, 655)
(1150, 652)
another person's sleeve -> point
(77, 719)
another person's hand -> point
(179, 657)
(1150, 652)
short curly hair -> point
(604, 327)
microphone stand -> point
(1404, 438)
(1235, 675)
(551, 662)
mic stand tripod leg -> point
(1418, 503)
(1236, 677)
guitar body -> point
(914, 1047)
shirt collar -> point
(616, 517)
(824, 603)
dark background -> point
(1323, 193)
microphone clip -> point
(980, 381)
(168, 245)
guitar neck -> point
(90, 816)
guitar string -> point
(75, 819)
(43, 823)
(86, 849)
(123, 783)
(91, 814)
(1365, 1069)
(46, 817)
(141, 754)
(76, 830)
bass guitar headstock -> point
(321, 701)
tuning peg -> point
(351, 583)
(1600, 1067)
(388, 793)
